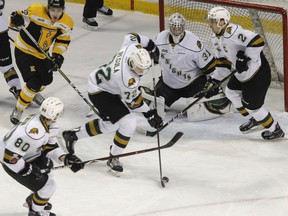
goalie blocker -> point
(204, 110)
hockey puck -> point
(164, 180)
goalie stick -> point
(202, 95)
(176, 137)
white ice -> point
(214, 169)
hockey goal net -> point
(268, 18)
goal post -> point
(267, 18)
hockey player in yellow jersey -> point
(51, 27)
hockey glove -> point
(74, 162)
(58, 60)
(153, 51)
(16, 19)
(153, 118)
(211, 88)
(31, 170)
(241, 62)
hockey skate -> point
(46, 210)
(115, 167)
(250, 126)
(90, 24)
(38, 99)
(15, 92)
(105, 10)
(15, 116)
(70, 138)
(277, 133)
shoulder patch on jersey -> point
(131, 82)
(257, 41)
(199, 44)
(11, 157)
(33, 131)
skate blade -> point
(25, 205)
(91, 28)
(254, 129)
(113, 172)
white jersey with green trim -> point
(26, 141)
(181, 63)
(117, 78)
(234, 39)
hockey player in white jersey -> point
(113, 90)
(248, 87)
(27, 153)
(184, 60)
(6, 66)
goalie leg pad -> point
(208, 109)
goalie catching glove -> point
(153, 118)
(74, 162)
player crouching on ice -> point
(26, 154)
(113, 90)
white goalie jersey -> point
(117, 78)
(27, 140)
(234, 39)
(183, 62)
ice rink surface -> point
(214, 170)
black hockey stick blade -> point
(176, 137)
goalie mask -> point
(140, 61)
(177, 26)
(52, 108)
(217, 14)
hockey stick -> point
(202, 95)
(176, 137)
(61, 72)
(164, 179)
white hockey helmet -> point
(140, 59)
(177, 26)
(51, 108)
(218, 14)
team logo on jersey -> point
(34, 131)
(11, 157)
(14, 159)
(229, 30)
(131, 82)
(32, 68)
(199, 44)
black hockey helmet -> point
(56, 3)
